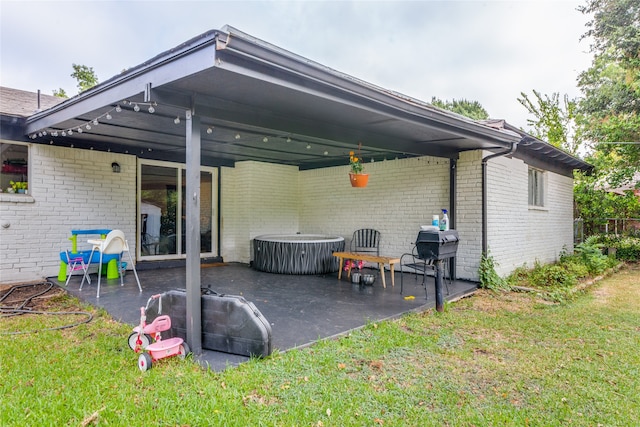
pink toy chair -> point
(76, 263)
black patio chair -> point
(365, 240)
(416, 265)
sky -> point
(485, 51)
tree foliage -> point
(615, 28)
(472, 109)
(610, 108)
(607, 116)
(609, 111)
(552, 121)
(85, 76)
(60, 93)
(595, 204)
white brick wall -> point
(469, 220)
(550, 230)
(264, 198)
(77, 189)
(507, 211)
(71, 189)
(258, 198)
(518, 234)
(401, 195)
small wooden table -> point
(380, 260)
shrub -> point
(627, 247)
(557, 282)
(519, 276)
(575, 267)
(489, 279)
(551, 276)
(592, 257)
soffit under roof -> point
(255, 102)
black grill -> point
(437, 245)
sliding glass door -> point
(162, 196)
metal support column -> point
(453, 209)
(192, 233)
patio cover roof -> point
(258, 102)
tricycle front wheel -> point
(145, 340)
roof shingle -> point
(16, 102)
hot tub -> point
(296, 253)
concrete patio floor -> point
(301, 308)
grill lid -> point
(440, 237)
(437, 245)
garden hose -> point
(6, 311)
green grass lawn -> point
(492, 359)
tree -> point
(471, 109)
(615, 29)
(553, 122)
(85, 76)
(609, 112)
(610, 107)
(60, 93)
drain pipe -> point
(514, 146)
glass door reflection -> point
(159, 210)
(162, 210)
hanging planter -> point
(356, 176)
(359, 179)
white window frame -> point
(14, 197)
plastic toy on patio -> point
(63, 273)
(146, 339)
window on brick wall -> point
(14, 176)
(536, 187)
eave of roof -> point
(540, 153)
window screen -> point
(536, 187)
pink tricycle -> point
(147, 340)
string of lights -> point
(88, 125)
(134, 106)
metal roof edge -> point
(196, 42)
(371, 91)
(543, 150)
